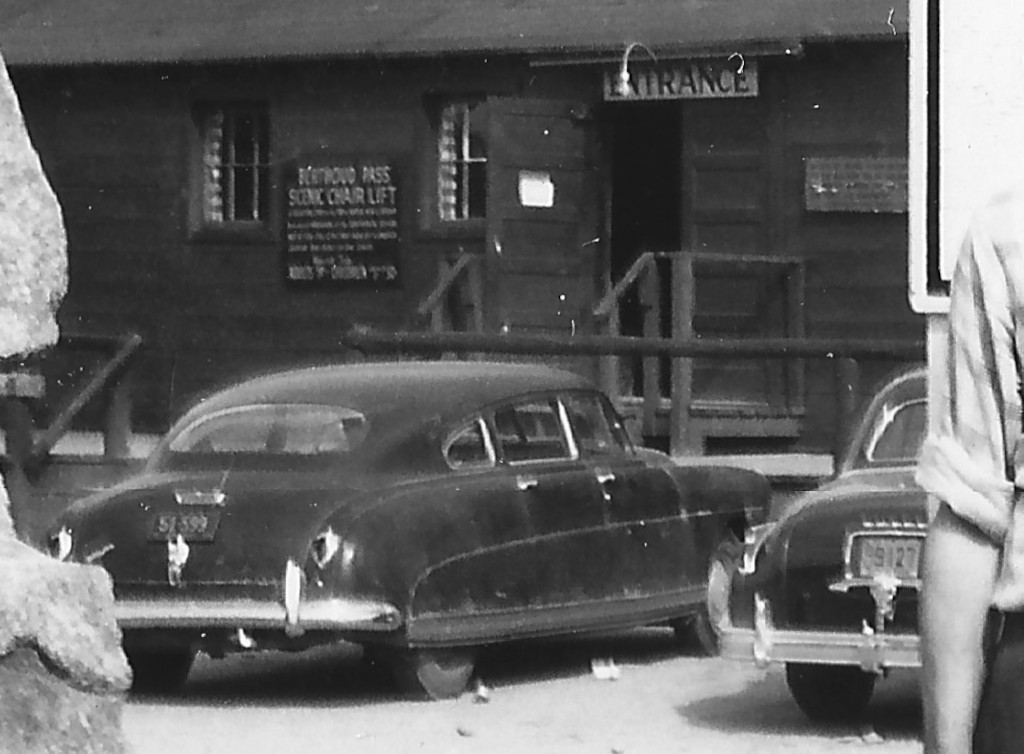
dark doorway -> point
(646, 204)
(646, 181)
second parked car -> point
(830, 589)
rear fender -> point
(725, 500)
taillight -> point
(61, 544)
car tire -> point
(159, 670)
(704, 628)
(830, 693)
(433, 673)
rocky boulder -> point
(63, 676)
(33, 244)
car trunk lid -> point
(221, 529)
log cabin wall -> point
(119, 144)
(845, 106)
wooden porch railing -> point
(109, 378)
(26, 462)
(677, 290)
(845, 354)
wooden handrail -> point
(640, 265)
(603, 345)
(444, 284)
(85, 391)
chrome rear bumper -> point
(870, 651)
(325, 615)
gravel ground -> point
(540, 698)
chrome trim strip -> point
(329, 615)
(872, 652)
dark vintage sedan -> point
(830, 588)
(422, 510)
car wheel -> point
(830, 693)
(433, 673)
(159, 670)
(705, 628)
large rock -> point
(63, 676)
(33, 245)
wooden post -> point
(117, 420)
(683, 440)
(847, 388)
(650, 302)
(610, 363)
(476, 293)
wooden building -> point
(243, 182)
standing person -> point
(972, 464)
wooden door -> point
(728, 222)
(541, 228)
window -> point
(590, 423)
(469, 447)
(461, 162)
(898, 434)
(531, 431)
(280, 429)
(235, 158)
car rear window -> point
(279, 429)
(898, 433)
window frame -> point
(485, 432)
(882, 422)
(613, 423)
(202, 228)
(432, 221)
(566, 438)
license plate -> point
(894, 556)
(194, 526)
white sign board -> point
(966, 128)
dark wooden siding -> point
(846, 100)
(118, 144)
(117, 141)
(111, 143)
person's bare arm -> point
(959, 571)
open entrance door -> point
(541, 228)
(692, 188)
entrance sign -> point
(966, 129)
(704, 79)
(341, 222)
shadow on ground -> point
(340, 675)
(766, 707)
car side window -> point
(531, 431)
(470, 447)
(591, 425)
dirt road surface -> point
(541, 697)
